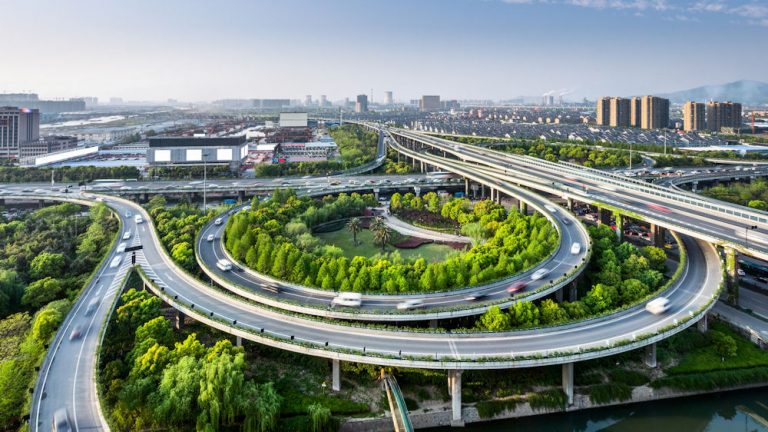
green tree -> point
(157, 329)
(354, 226)
(382, 235)
(600, 298)
(494, 319)
(47, 264)
(552, 313)
(261, 405)
(175, 401)
(319, 418)
(41, 292)
(525, 314)
(723, 344)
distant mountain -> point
(745, 91)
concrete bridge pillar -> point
(603, 216)
(466, 187)
(498, 196)
(422, 167)
(559, 295)
(523, 207)
(482, 191)
(493, 194)
(40, 203)
(573, 293)
(695, 186)
(433, 323)
(568, 382)
(180, 320)
(619, 226)
(657, 235)
(238, 341)
(569, 203)
(336, 375)
(732, 275)
(454, 388)
(702, 325)
(650, 355)
(241, 196)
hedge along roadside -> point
(547, 357)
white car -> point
(539, 274)
(116, 261)
(410, 304)
(224, 265)
(210, 237)
(138, 219)
(576, 248)
(551, 208)
(126, 235)
(348, 299)
(218, 221)
(121, 247)
(658, 306)
(740, 272)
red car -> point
(516, 287)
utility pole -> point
(205, 177)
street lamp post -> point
(746, 233)
(205, 177)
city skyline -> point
(467, 49)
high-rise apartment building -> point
(430, 103)
(17, 126)
(388, 98)
(613, 111)
(619, 112)
(694, 116)
(603, 117)
(361, 106)
(723, 115)
(654, 112)
(307, 100)
(635, 111)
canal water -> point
(745, 410)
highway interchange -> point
(691, 296)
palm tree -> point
(376, 223)
(382, 235)
(354, 226)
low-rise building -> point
(197, 151)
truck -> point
(458, 194)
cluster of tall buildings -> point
(32, 101)
(712, 116)
(646, 112)
(18, 127)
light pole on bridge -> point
(746, 233)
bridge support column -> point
(433, 323)
(180, 320)
(523, 207)
(493, 194)
(422, 167)
(573, 293)
(569, 203)
(603, 216)
(650, 356)
(40, 203)
(702, 325)
(695, 187)
(619, 226)
(241, 196)
(732, 276)
(336, 375)
(559, 295)
(657, 235)
(238, 341)
(466, 187)
(454, 387)
(568, 382)
(498, 196)
(482, 191)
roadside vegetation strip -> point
(51, 284)
(274, 238)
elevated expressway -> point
(690, 297)
(711, 220)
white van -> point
(138, 219)
(224, 265)
(116, 261)
(218, 221)
(576, 248)
(348, 299)
(121, 247)
(126, 235)
(658, 306)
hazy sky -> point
(197, 50)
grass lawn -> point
(367, 248)
(705, 359)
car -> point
(410, 304)
(128, 214)
(516, 287)
(565, 221)
(138, 219)
(551, 208)
(121, 247)
(76, 333)
(224, 265)
(348, 299)
(126, 235)
(658, 306)
(539, 274)
(475, 297)
(576, 248)
(115, 261)
(740, 272)
(210, 237)
(92, 305)
(218, 221)
(61, 422)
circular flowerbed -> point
(275, 238)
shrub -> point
(491, 408)
(609, 392)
